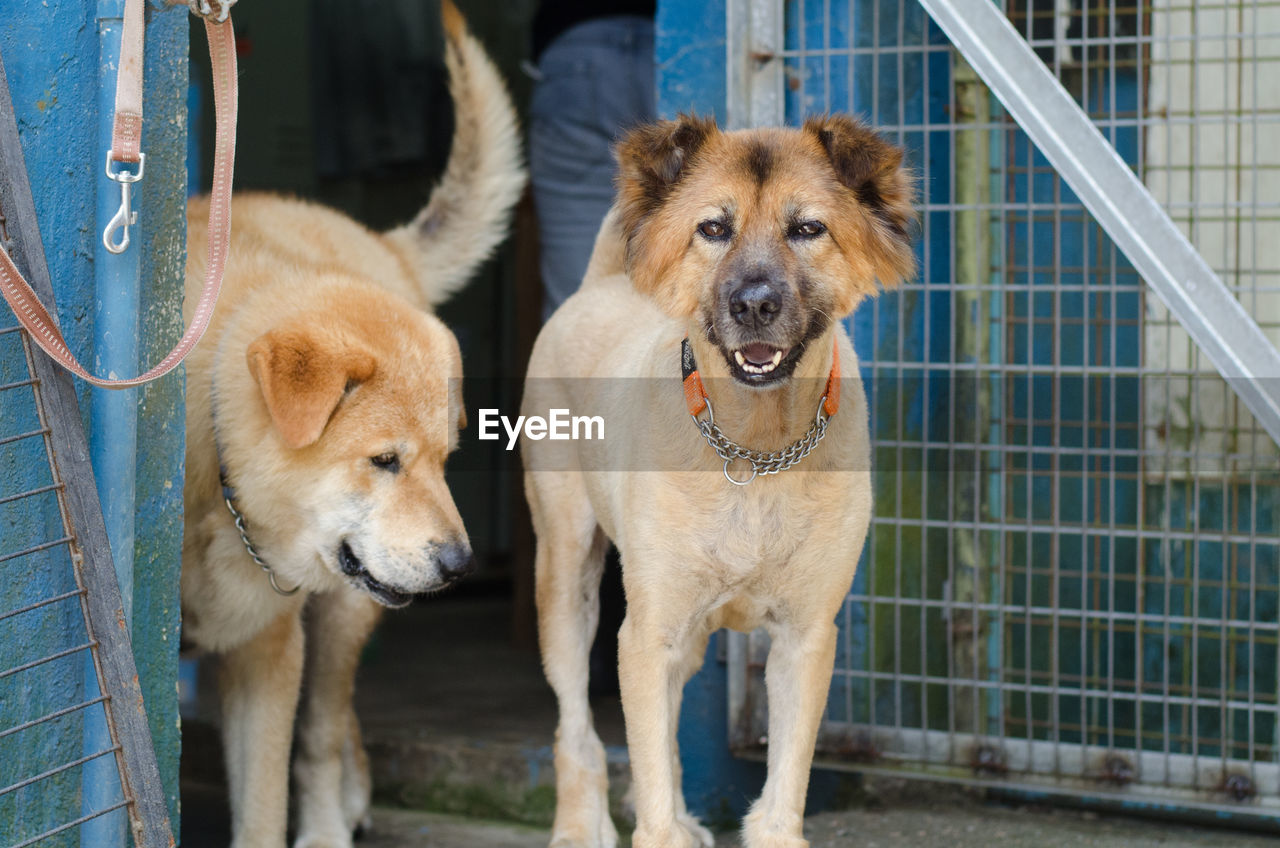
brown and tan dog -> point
(753, 245)
(323, 392)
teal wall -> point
(50, 51)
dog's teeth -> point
(777, 357)
(742, 360)
(767, 367)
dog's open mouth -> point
(760, 362)
(381, 592)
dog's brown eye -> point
(713, 230)
(807, 230)
(389, 461)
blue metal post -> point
(114, 423)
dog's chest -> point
(755, 531)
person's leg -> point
(597, 79)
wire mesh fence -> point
(1073, 574)
(52, 710)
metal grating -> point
(1072, 581)
(75, 751)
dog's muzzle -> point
(453, 561)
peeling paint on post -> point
(50, 53)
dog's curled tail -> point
(470, 209)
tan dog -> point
(752, 245)
(324, 390)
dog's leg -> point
(569, 564)
(798, 675)
(332, 803)
(357, 785)
(692, 662)
(259, 684)
(652, 670)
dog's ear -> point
(652, 160)
(303, 375)
(872, 168)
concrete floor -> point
(949, 824)
(946, 825)
(460, 722)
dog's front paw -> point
(600, 834)
(214, 10)
(566, 842)
(759, 831)
(357, 803)
(676, 835)
(323, 840)
(774, 840)
(700, 833)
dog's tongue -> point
(758, 353)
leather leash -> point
(125, 150)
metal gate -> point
(1072, 580)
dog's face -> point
(763, 237)
(364, 407)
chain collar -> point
(228, 497)
(762, 463)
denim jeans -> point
(596, 80)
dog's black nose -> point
(754, 303)
(455, 560)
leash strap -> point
(126, 128)
(695, 394)
(125, 143)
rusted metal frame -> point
(82, 514)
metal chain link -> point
(253, 552)
(761, 463)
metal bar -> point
(69, 825)
(1054, 688)
(1216, 320)
(38, 604)
(9, 672)
(21, 436)
(754, 84)
(35, 549)
(91, 554)
(14, 787)
(113, 422)
(30, 493)
(16, 385)
(51, 716)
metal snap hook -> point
(125, 216)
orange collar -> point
(695, 394)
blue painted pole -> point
(113, 421)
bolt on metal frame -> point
(1072, 582)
